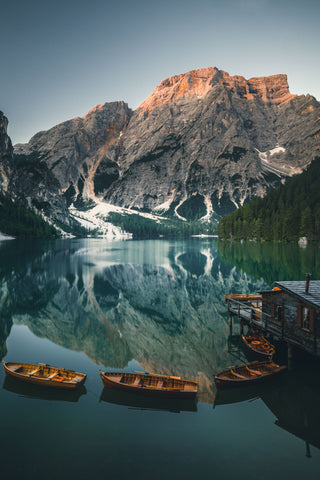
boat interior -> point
(45, 372)
(156, 382)
(247, 371)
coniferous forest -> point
(21, 222)
(286, 213)
(141, 227)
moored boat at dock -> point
(258, 344)
(248, 374)
(45, 375)
(150, 384)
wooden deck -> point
(248, 309)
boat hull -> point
(259, 346)
(148, 385)
(38, 374)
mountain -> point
(6, 154)
(15, 218)
(209, 138)
(201, 145)
(289, 212)
(63, 164)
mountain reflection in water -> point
(160, 303)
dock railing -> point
(248, 308)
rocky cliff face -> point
(203, 141)
(64, 160)
(215, 139)
(6, 154)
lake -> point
(154, 306)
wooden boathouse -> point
(289, 312)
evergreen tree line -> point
(142, 227)
(17, 220)
(286, 213)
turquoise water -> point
(150, 306)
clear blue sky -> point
(59, 58)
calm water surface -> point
(153, 306)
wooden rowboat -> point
(259, 345)
(45, 375)
(248, 374)
(150, 384)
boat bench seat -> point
(34, 371)
(17, 368)
(238, 375)
(137, 380)
(52, 375)
(189, 388)
(159, 384)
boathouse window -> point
(306, 318)
(279, 313)
(276, 312)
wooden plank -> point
(238, 375)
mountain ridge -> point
(203, 141)
(273, 88)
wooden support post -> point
(290, 355)
(241, 327)
(308, 453)
(230, 323)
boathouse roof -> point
(298, 289)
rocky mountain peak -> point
(193, 83)
(273, 89)
(202, 144)
(197, 83)
(73, 149)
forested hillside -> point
(286, 213)
(20, 222)
(141, 227)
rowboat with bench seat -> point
(258, 344)
(150, 384)
(45, 375)
(248, 374)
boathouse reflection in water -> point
(160, 303)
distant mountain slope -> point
(200, 146)
(71, 156)
(287, 213)
(15, 218)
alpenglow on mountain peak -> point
(203, 143)
(273, 89)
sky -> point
(60, 58)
